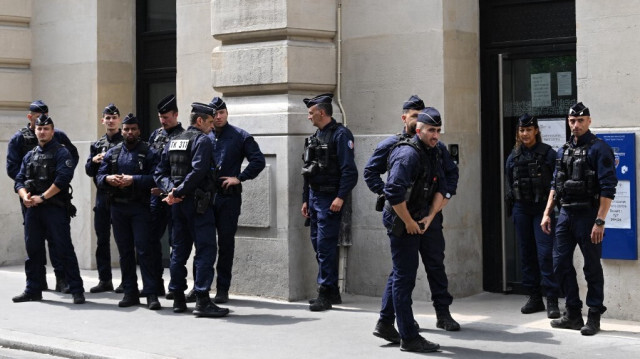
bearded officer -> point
(185, 174)
(584, 184)
(330, 174)
(126, 173)
(43, 185)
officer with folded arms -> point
(185, 175)
(43, 185)
(126, 173)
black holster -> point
(202, 200)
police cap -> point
(430, 116)
(218, 103)
(198, 107)
(167, 104)
(38, 106)
(44, 120)
(131, 119)
(111, 109)
(413, 103)
(324, 98)
(579, 110)
(527, 120)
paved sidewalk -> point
(492, 327)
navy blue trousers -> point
(161, 221)
(574, 228)
(226, 211)
(536, 250)
(189, 229)
(56, 263)
(102, 226)
(325, 229)
(404, 252)
(53, 223)
(131, 224)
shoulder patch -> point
(69, 163)
(607, 162)
(350, 144)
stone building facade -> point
(264, 57)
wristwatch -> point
(43, 197)
(599, 222)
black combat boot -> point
(387, 332)
(179, 302)
(27, 297)
(445, 321)
(78, 298)
(593, 322)
(333, 295)
(321, 303)
(119, 289)
(418, 344)
(552, 308)
(222, 296)
(191, 296)
(571, 319)
(129, 300)
(206, 308)
(153, 302)
(103, 286)
(62, 286)
(533, 305)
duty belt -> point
(324, 189)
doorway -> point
(526, 67)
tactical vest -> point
(162, 138)
(180, 155)
(128, 193)
(29, 140)
(41, 170)
(320, 153)
(531, 176)
(425, 186)
(103, 144)
(576, 182)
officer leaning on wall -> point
(22, 142)
(126, 173)
(584, 184)
(43, 184)
(330, 174)
(231, 145)
(102, 210)
(528, 172)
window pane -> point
(161, 15)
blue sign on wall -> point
(620, 234)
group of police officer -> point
(190, 180)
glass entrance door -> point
(542, 86)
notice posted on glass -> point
(619, 215)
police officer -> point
(584, 184)
(102, 210)
(126, 173)
(43, 185)
(528, 169)
(160, 211)
(231, 146)
(22, 142)
(414, 225)
(330, 174)
(185, 174)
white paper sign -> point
(541, 90)
(564, 83)
(619, 215)
(553, 131)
